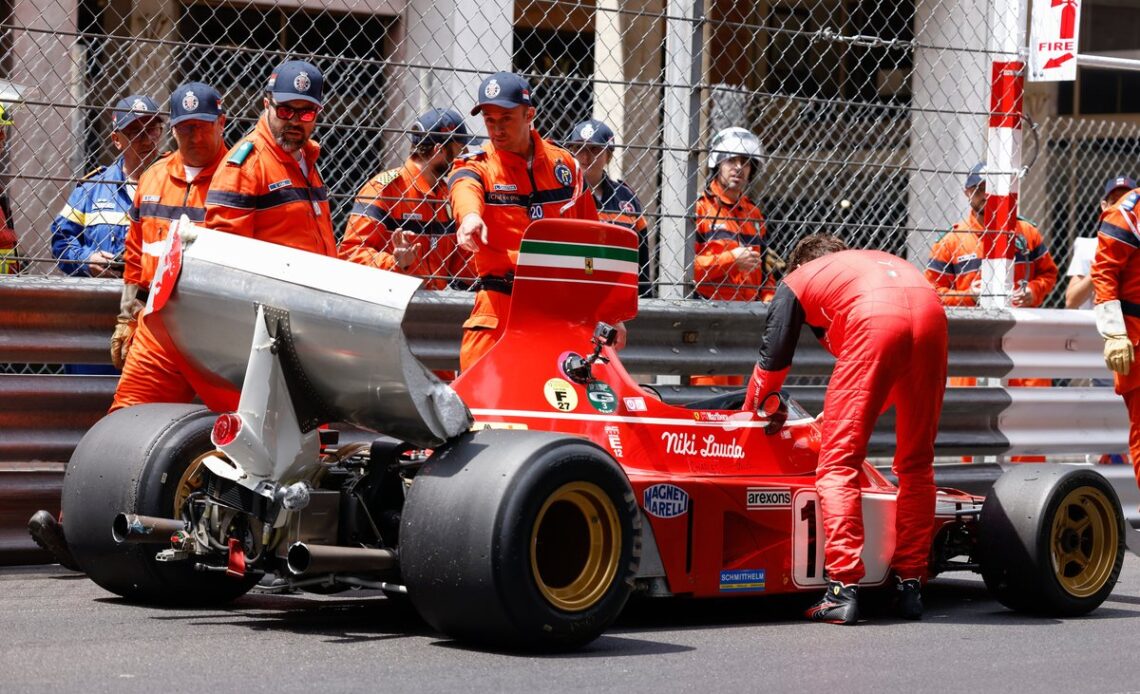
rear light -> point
(226, 429)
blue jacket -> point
(94, 219)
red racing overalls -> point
(887, 329)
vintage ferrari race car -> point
(526, 502)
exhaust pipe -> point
(130, 527)
(324, 559)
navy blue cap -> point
(592, 132)
(974, 178)
(1125, 182)
(504, 89)
(130, 109)
(438, 126)
(195, 101)
(296, 79)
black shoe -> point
(48, 534)
(839, 605)
(908, 598)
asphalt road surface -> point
(61, 633)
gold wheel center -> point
(1083, 541)
(575, 546)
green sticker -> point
(601, 397)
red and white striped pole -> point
(1003, 157)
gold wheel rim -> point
(1084, 541)
(193, 478)
(575, 546)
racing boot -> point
(48, 534)
(908, 598)
(839, 605)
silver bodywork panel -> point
(344, 321)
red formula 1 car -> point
(524, 504)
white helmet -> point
(734, 142)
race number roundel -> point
(560, 394)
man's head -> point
(976, 188)
(438, 136)
(734, 156)
(292, 102)
(1115, 189)
(504, 101)
(136, 129)
(814, 246)
(592, 144)
(197, 121)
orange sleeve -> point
(1044, 273)
(366, 238)
(941, 256)
(132, 248)
(465, 188)
(1116, 242)
(229, 202)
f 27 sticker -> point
(560, 395)
(665, 501)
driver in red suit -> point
(887, 329)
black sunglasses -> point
(305, 115)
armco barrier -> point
(54, 320)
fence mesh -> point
(869, 114)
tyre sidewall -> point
(527, 607)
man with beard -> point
(732, 261)
(88, 233)
(268, 186)
(400, 220)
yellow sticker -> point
(561, 395)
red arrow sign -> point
(1058, 61)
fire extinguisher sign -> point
(1053, 40)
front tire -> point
(520, 539)
(1052, 540)
(142, 460)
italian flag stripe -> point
(579, 250)
(536, 260)
(599, 276)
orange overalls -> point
(509, 192)
(402, 199)
(9, 247)
(162, 197)
(1116, 275)
(258, 191)
(955, 270)
(723, 226)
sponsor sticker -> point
(765, 497)
(634, 404)
(483, 426)
(601, 397)
(742, 581)
(707, 446)
(561, 395)
(613, 437)
(665, 501)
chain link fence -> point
(869, 114)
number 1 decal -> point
(807, 542)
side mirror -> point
(774, 406)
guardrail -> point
(54, 320)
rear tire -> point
(1052, 540)
(520, 539)
(134, 461)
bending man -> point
(887, 329)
